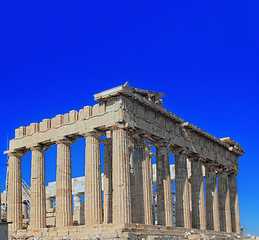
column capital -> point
(138, 134)
(17, 154)
(160, 143)
(178, 151)
(67, 141)
(39, 147)
(94, 133)
(107, 141)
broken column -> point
(78, 206)
(121, 177)
(64, 215)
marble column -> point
(234, 204)
(37, 190)
(132, 177)
(197, 190)
(64, 215)
(25, 210)
(224, 202)
(143, 186)
(14, 197)
(78, 205)
(93, 185)
(212, 211)
(49, 204)
(107, 181)
(121, 177)
(182, 200)
(164, 190)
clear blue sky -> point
(201, 54)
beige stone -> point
(130, 118)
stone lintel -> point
(225, 142)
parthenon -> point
(120, 203)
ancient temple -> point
(128, 121)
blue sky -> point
(201, 54)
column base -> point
(123, 231)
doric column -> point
(121, 177)
(234, 204)
(182, 200)
(164, 190)
(197, 190)
(14, 197)
(224, 202)
(77, 216)
(143, 186)
(93, 185)
(212, 211)
(107, 181)
(37, 190)
(64, 215)
(132, 176)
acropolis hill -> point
(131, 199)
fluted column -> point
(14, 197)
(132, 178)
(182, 200)
(164, 190)
(197, 190)
(143, 189)
(64, 215)
(107, 181)
(224, 202)
(212, 211)
(93, 186)
(121, 177)
(234, 203)
(37, 190)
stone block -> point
(45, 125)
(73, 116)
(65, 118)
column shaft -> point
(107, 181)
(77, 216)
(224, 202)
(14, 198)
(64, 185)
(132, 180)
(164, 190)
(182, 200)
(197, 189)
(38, 192)
(93, 187)
(212, 211)
(234, 204)
(121, 178)
(143, 191)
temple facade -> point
(127, 121)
